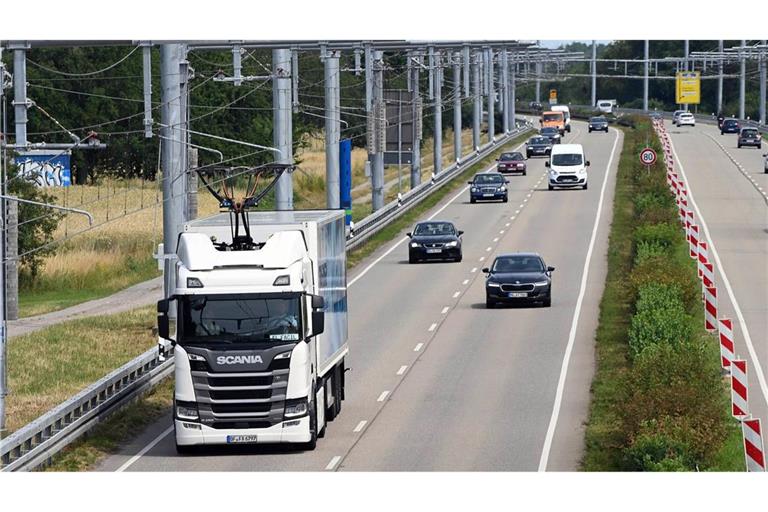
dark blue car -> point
(488, 186)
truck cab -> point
(566, 115)
(260, 335)
(553, 119)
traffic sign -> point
(688, 87)
(648, 156)
(553, 96)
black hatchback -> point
(598, 124)
(434, 240)
(750, 137)
(730, 126)
(538, 146)
(518, 278)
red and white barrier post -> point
(703, 256)
(707, 279)
(754, 454)
(693, 240)
(725, 329)
(739, 407)
(710, 309)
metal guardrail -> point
(36, 443)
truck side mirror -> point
(163, 322)
(318, 302)
(318, 322)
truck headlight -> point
(187, 411)
(492, 284)
(295, 408)
(452, 244)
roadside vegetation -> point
(659, 402)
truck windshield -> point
(212, 319)
(567, 159)
(553, 117)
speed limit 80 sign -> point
(648, 156)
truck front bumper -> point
(194, 434)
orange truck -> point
(554, 120)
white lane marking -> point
(360, 426)
(496, 239)
(474, 269)
(513, 217)
(456, 294)
(507, 224)
(432, 327)
(144, 450)
(382, 396)
(418, 347)
(517, 211)
(521, 207)
(402, 369)
(488, 249)
(335, 460)
(525, 200)
(465, 282)
(757, 368)
(482, 258)
(575, 322)
(501, 231)
(445, 310)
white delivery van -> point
(566, 115)
(606, 106)
(567, 166)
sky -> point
(553, 43)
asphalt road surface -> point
(729, 186)
(439, 382)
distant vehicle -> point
(551, 119)
(552, 133)
(655, 115)
(511, 162)
(686, 119)
(488, 186)
(518, 278)
(598, 124)
(606, 106)
(434, 240)
(750, 137)
(720, 119)
(676, 115)
(538, 146)
(730, 125)
(567, 166)
(566, 114)
(765, 163)
(536, 106)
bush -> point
(660, 318)
(678, 386)
(665, 234)
(654, 449)
(657, 265)
(647, 250)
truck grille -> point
(246, 409)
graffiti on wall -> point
(45, 169)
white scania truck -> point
(261, 328)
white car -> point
(567, 166)
(676, 115)
(687, 119)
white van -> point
(567, 166)
(606, 106)
(566, 114)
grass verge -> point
(658, 402)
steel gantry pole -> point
(20, 102)
(504, 94)
(377, 162)
(513, 94)
(417, 122)
(332, 130)
(476, 101)
(172, 147)
(538, 82)
(147, 75)
(763, 77)
(491, 98)
(686, 52)
(282, 129)
(594, 72)
(720, 79)
(3, 301)
(646, 53)
(742, 81)
(438, 99)
(457, 106)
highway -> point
(729, 188)
(437, 381)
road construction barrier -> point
(754, 454)
(688, 223)
(739, 407)
(710, 309)
(707, 277)
(693, 240)
(725, 330)
(703, 256)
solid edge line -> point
(732, 296)
(575, 322)
(144, 450)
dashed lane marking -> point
(418, 347)
(402, 369)
(331, 465)
(382, 396)
(432, 327)
(360, 426)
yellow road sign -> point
(553, 95)
(688, 87)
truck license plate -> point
(517, 295)
(434, 251)
(252, 438)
